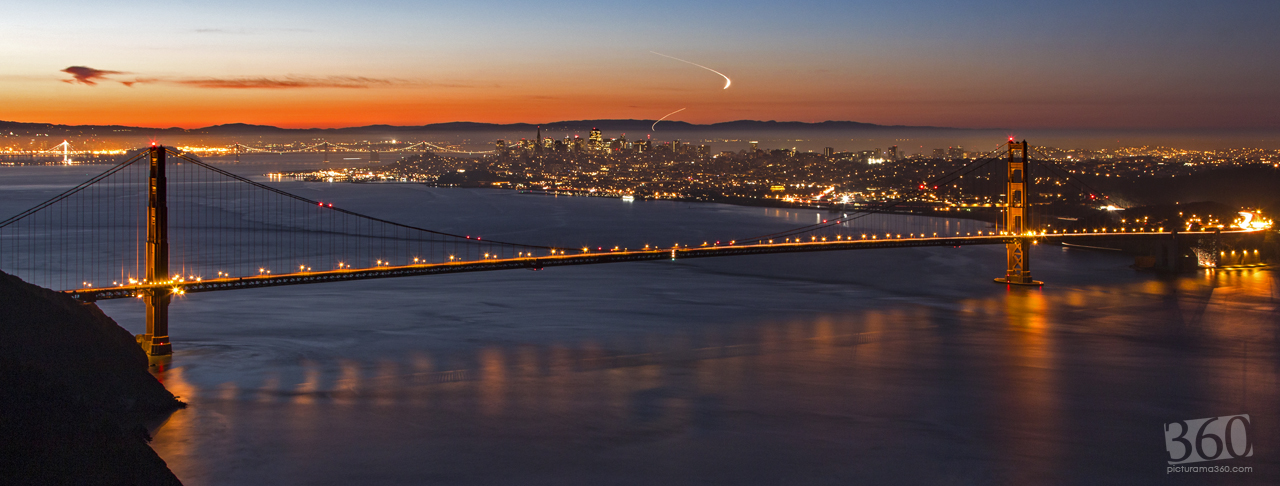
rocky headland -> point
(75, 394)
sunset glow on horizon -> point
(921, 62)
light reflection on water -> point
(1016, 384)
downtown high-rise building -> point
(595, 141)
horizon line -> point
(639, 120)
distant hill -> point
(8, 126)
(611, 126)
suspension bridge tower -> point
(156, 340)
(1018, 248)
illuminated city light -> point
(1252, 221)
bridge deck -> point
(586, 258)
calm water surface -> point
(865, 367)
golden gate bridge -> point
(165, 223)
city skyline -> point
(1114, 65)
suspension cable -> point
(341, 210)
(982, 161)
(73, 190)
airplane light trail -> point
(664, 117)
(726, 78)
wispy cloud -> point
(91, 77)
(134, 81)
(290, 82)
(88, 75)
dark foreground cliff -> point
(74, 394)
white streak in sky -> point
(726, 78)
(664, 117)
